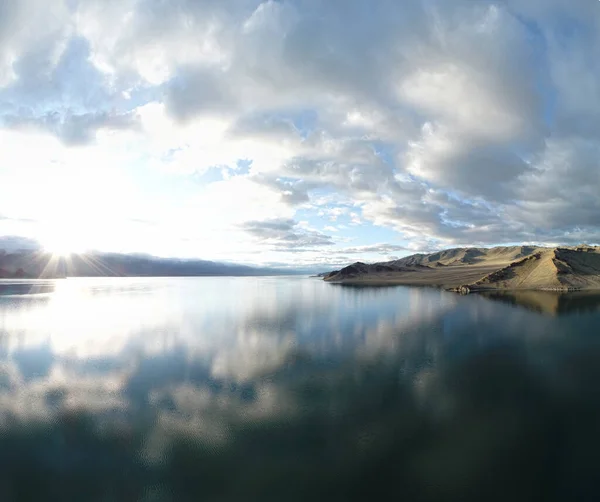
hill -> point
(38, 264)
(516, 267)
(557, 268)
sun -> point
(62, 244)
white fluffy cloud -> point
(444, 122)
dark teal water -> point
(291, 389)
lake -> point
(292, 389)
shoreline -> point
(461, 288)
(464, 290)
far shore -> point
(454, 286)
(447, 277)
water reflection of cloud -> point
(252, 355)
(61, 389)
(403, 392)
(86, 323)
(105, 347)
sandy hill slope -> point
(516, 267)
(558, 268)
(467, 256)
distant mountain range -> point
(38, 264)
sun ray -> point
(51, 268)
(97, 265)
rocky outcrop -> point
(463, 290)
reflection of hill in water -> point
(549, 302)
(366, 287)
(367, 290)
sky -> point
(298, 131)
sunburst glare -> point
(62, 244)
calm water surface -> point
(291, 389)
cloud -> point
(197, 91)
(286, 234)
(26, 28)
(375, 248)
(73, 129)
(449, 123)
(554, 206)
(476, 73)
(292, 192)
(58, 90)
(474, 168)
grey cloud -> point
(348, 54)
(67, 97)
(349, 164)
(382, 249)
(571, 66)
(289, 52)
(73, 129)
(474, 168)
(561, 191)
(56, 72)
(286, 234)
(265, 125)
(440, 220)
(412, 220)
(8, 11)
(196, 91)
(342, 175)
(483, 54)
(293, 192)
(24, 26)
(344, 161)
